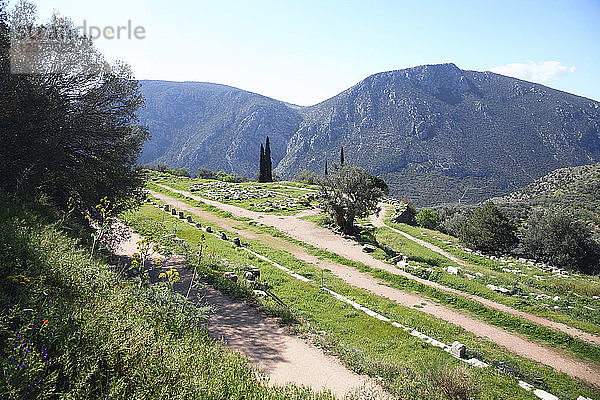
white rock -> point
(525, 385)
(452, 270)
(542, 394)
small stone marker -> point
(223, 236)
(166, 207)
(452, 270)
(198, 225)
(208, 229)
(231, 276)
(458, 349)
(173, 211)
(181, 215)
(189, 219)
(367, 248)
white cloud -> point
(538, 72)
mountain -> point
(573, 188)
(436, 133)
(219, 127)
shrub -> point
(488, 229)
(180, 172)
(429, 219)
(205, 173)
(454, 382)
(558, 238)
(308, 177)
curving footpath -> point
(284, 357)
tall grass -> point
(73, 328)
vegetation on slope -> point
(71, 326)
(576, 189)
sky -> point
(304, 52)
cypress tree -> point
(325, 167)
(261, 169)
(342, 156)
(268, 165)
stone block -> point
(231, 276)
(458, 350)
(367, 248)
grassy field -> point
(532, 331)
(364, 343)
(575, 305)
(72, 326)
(279, 198)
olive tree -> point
(348, 192)
(429, 219)
(68, 117)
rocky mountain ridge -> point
(437, 134)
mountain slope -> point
(197, 125)
(436, 133)
(574, 188)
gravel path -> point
(308, 232)
(284, 357)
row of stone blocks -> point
(167, 208)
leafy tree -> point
(429, 219)
(205, 173)
(69, 130)
(556, 237)
(180, 172)
(309, 177)
(380, 183)
(348, 193)
(488, 229)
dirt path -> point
(556, 358)
(378, 221)
(308, 232)
(284, 357)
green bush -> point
(308, 177)
(556, 237)
(489, 230)
(429, 219)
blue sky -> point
(307, 51)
